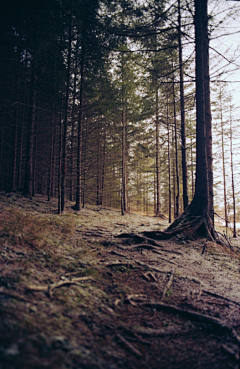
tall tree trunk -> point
(176, 151)
(233, 187)
(103, 166)
(1, 153)
(183, 134)
(99, 171)
(50, 171)
(79, 193)
(208, 115)
(21, 150)
(60, 157)
(158, 192)
(73, 122)
(196, 218)
(173, 171)
(35, 159)
(15, 135)
(192, 169)
(223, 164)
(169, 170)
(65, 125)
(28, 183)
(201, 197)
(124, 145)
(72, 139)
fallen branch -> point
(151, 332)
(129, 345)
(118, 254)
(149, 276)
(51, 287)
(231, 351)
(221, 297)
(150, 267)
(139, 239)
(112, 265)
(150, 247)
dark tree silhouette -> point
(197, 219)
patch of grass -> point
(19, 228)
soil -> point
(89, 289)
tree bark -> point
(158, 177)
(208, 115)
(196, 219)
(77, 205)
(233, 187)
(28, 183)
(183, 134)
(223, 163)
(65, 125)
(176, 151)
(169, 171)
(124, 206)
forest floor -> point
(75, 295)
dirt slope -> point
(73, 294)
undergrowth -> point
(38, 232)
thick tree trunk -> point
(1, 153)
(208, 115)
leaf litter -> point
(73, 294)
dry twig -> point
(129, 345)
(150, 276)
(51, 287)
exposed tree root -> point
(129, 345)
(191, 223)
(49, 289)
(192, 315)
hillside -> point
(89, 290)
